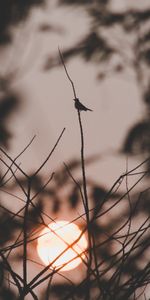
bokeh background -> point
(106, 48)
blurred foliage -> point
(9, 103)
(138, 139)
(117, 42)
(84, 3)
(6, 293)
(1, 273)
(118, 249)
(8, 226)
(11, 13)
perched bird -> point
(78, 105)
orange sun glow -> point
(54, 239)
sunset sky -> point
(47, 106)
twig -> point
(77, 184)
(27, 146)
(25, 235)
(53, 149)
(83, 170)
(72, 84)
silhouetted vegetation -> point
(122, 37)
(117, 222)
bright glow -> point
(55, 238)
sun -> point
(60, 245)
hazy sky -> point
(47, 99)
(48, 104)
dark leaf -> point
(145, 55)
(94, 47)
(74, 197)
(96, 229)
(12, 12)
(74, 2)
(7, 294)
(56, 205)
(145, 38)
(8, 226)
(5, 136)
(138, 139)
(147, 96)
(35, 213)
(144, 205)
(1, 273)
(61, 290)
(98, 194)
(8, 105)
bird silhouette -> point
(79, 106)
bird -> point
(79, 106)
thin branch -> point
(43, 187)
(25, 235)
(27, 146)
(77, 184)
(12, 273)
(13, 162)
(68, 76)
(83, 170)
(53, 149)
(6, 181)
